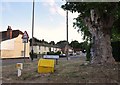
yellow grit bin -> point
(46, 66)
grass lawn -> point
(71, 71)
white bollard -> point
(19, 72)
(19, 67)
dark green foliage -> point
(108, 13)
(116, 50)
(52, 42)
(116, 31)
(62, 44)
(54, 53)
(58, 53)
(50, 53)
(104, 9)
(75, 44)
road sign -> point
(25, 37)
(25, 40)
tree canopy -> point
(97, 21)
(104, 9)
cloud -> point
(60, 33)
(52, 10)
(60, 11)
(55, 8)
(49, 2)
(51, 19)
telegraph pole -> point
(32, 51)
(67, 32)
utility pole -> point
(32, 51)
(67, 32)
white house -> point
(41, 48)
(11, 45)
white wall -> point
(43, 49)
(8, 44)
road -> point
(14, 61)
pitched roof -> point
(15, 33)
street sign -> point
(25, 40)
(25, 37)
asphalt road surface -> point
(14, 61)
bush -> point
(58, 53)
(116, 50)
(50, 53)
(54, 53)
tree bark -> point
(102, 50)
(99, 27)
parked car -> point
(62, 55)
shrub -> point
(54, 53)
(116, 50)
(58, 53)
(50, 53)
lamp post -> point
(32, 51)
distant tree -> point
(43, 41)
(62, 43)
(52, 42)
(75, 44)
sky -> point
(50, 19)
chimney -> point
(9, 32)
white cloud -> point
(55, 9)
(60, 11)
(49, 2)
(52, 10)
(51, 19)
(60, 32)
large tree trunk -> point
(102, 49)
(100, 29)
